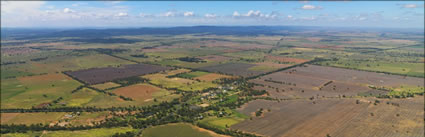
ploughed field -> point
(319, 81)
(101, 75)
(335, 117)
(238, 69)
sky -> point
(77, 14)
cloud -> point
(145, 15)
(122, 14)
(290, 17)
(188, 13)
(308, 18)
(168, 14)
(68, 10)
(112, 2)
(311, 7)
(21, 6)
(252, 13)
(236, 14)
(255, 14)
(208, 15)
(410, 6)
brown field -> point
(314, 39)
(273, 65)
(215, 58)
(155, 50)
(336, 117)
(5, 117)
(235, 45)
(30, 118)
(106, 85)
(212, 77)
(286, 59)
(306, 82)
(239, 69)
(353, 76)
(175, 72)
(17, 51)
(139, 92)
(46, 77)
(100, 75)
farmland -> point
(213, 81)
(178, 130)
(98, 75)
(238, 69)
(347, 118)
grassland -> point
(106, 85)
(178, 83)
(31, 118)
(29, 91)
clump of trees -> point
(191, 59)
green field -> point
(192, 74)
(179, 83)
(26, 92)
(31, 118)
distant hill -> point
(200, 30)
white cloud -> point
(255, 14)
(409, 6)
(122, 14)
(168, 14)
(311, 7)
(21, 6)
(210, 15)
(68, 10)
(236, 14)
(188, 13)
(308, 18)
(290, 16)
(145, 15)
(362, 18)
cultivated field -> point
(138, 92)
(238, 69)
(100, 75)
(317, 81)
(161, 80)
(335, 117)
(178, 130)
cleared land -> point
(336, 117)
(106, 85)
(212, 77)
(101, 132)
(26, 92)
(161, 80)
(319, 81)
(178, 130)
(31, 118)
(139, 92)
(100, 75)
(238, 69)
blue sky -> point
(392, 14)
